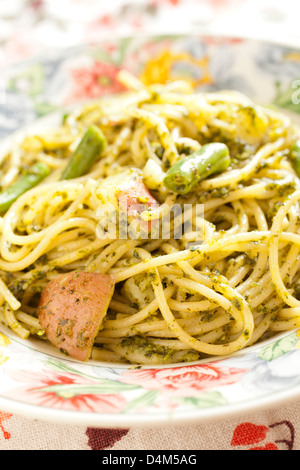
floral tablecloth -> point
(37, 27)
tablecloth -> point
(32, 27)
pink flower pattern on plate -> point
(184, 381)
(59, 390)
(97, 80)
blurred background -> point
(34, 27)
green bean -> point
(188, 172)
(86, 154)
(295, 157)
(29, 180)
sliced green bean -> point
(29, 180)
(188, 172)
(86, 154)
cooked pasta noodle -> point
(233, 276)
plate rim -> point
(125, 421)
(204, 33)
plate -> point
(36, 380)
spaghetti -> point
(233, 277)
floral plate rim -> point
(108, 421)
(165, 416)
(124, 421)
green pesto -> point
(149, 349)
(294, 156)
(82, 339)
(237, 303)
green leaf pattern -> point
(279, 348)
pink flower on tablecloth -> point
(184, 381)
(94, 81)
(64, 391)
